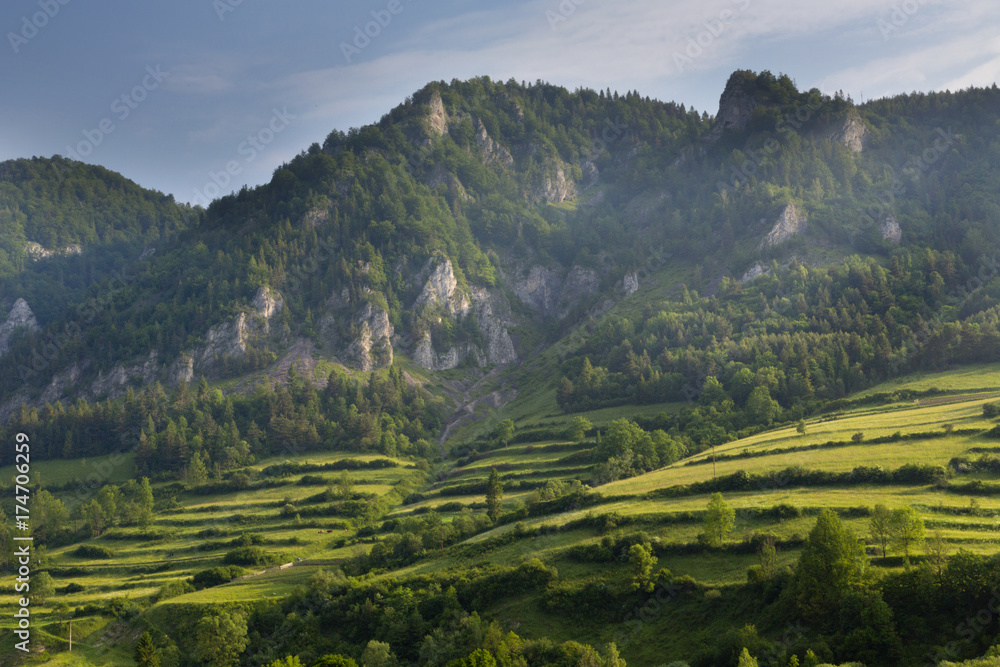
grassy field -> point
(179, 544)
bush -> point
(249, 556)
(73, 587)
(217, 576)
(93, 551)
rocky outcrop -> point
(426, 357)
(437, 117)
(631, 283)
(116, 382)
(20, 318)
(754, 271)
(736, 106)
(790, 222)
(230, 339)
(492, 152)
(852, 132)
(36, 251)
(373, 346)
(493, 316)
(549, 292)
(890, 229)
(441, 288)
(555, 187)
(61, 383)
(538, 288)
(580, 283)
(182, 370)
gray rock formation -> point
(580, 283)
(437, 118)
(20, 318)
(754, 271)
(555, 187)
(852, 132)
(790, 222)
(890, 229)
(492, 314)
(493, 153)
(116, 382)
(539, 288)
(373, 347)
(230, 339)
(36, 251)
(441, 288)
(631, 283)
(736, 107)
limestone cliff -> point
(790, 222)
(20, 318)
(231, 339)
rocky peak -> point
(437, 118)
(790, 222)
(20, 317)
(736, 105)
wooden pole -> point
(71, 635)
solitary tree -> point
(801, 427)
(880, 526)
(643, 561)
(578, 428)
(146, 654)
(719, 520)
(494, 495)
(907, 531)
(505, 431)
(832, 562)
(42, 588)
(197, 473)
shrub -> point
(249, 556)
(217, 576)
(93, 551)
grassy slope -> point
(133, 572)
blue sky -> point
(169, 93)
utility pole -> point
(71, 634)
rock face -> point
(492, 314)
(230, 339)
(556, 188)
(853, 132)
(116, 382)
(437, 119)
(790, 223)
(579, 284)
(890, 229)
(631, 283)
(36, 251)
(20, 318)
(441, 288)
(736, 107)
(373, 347)
(754, 271)
(493, 153)
(547, 292)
